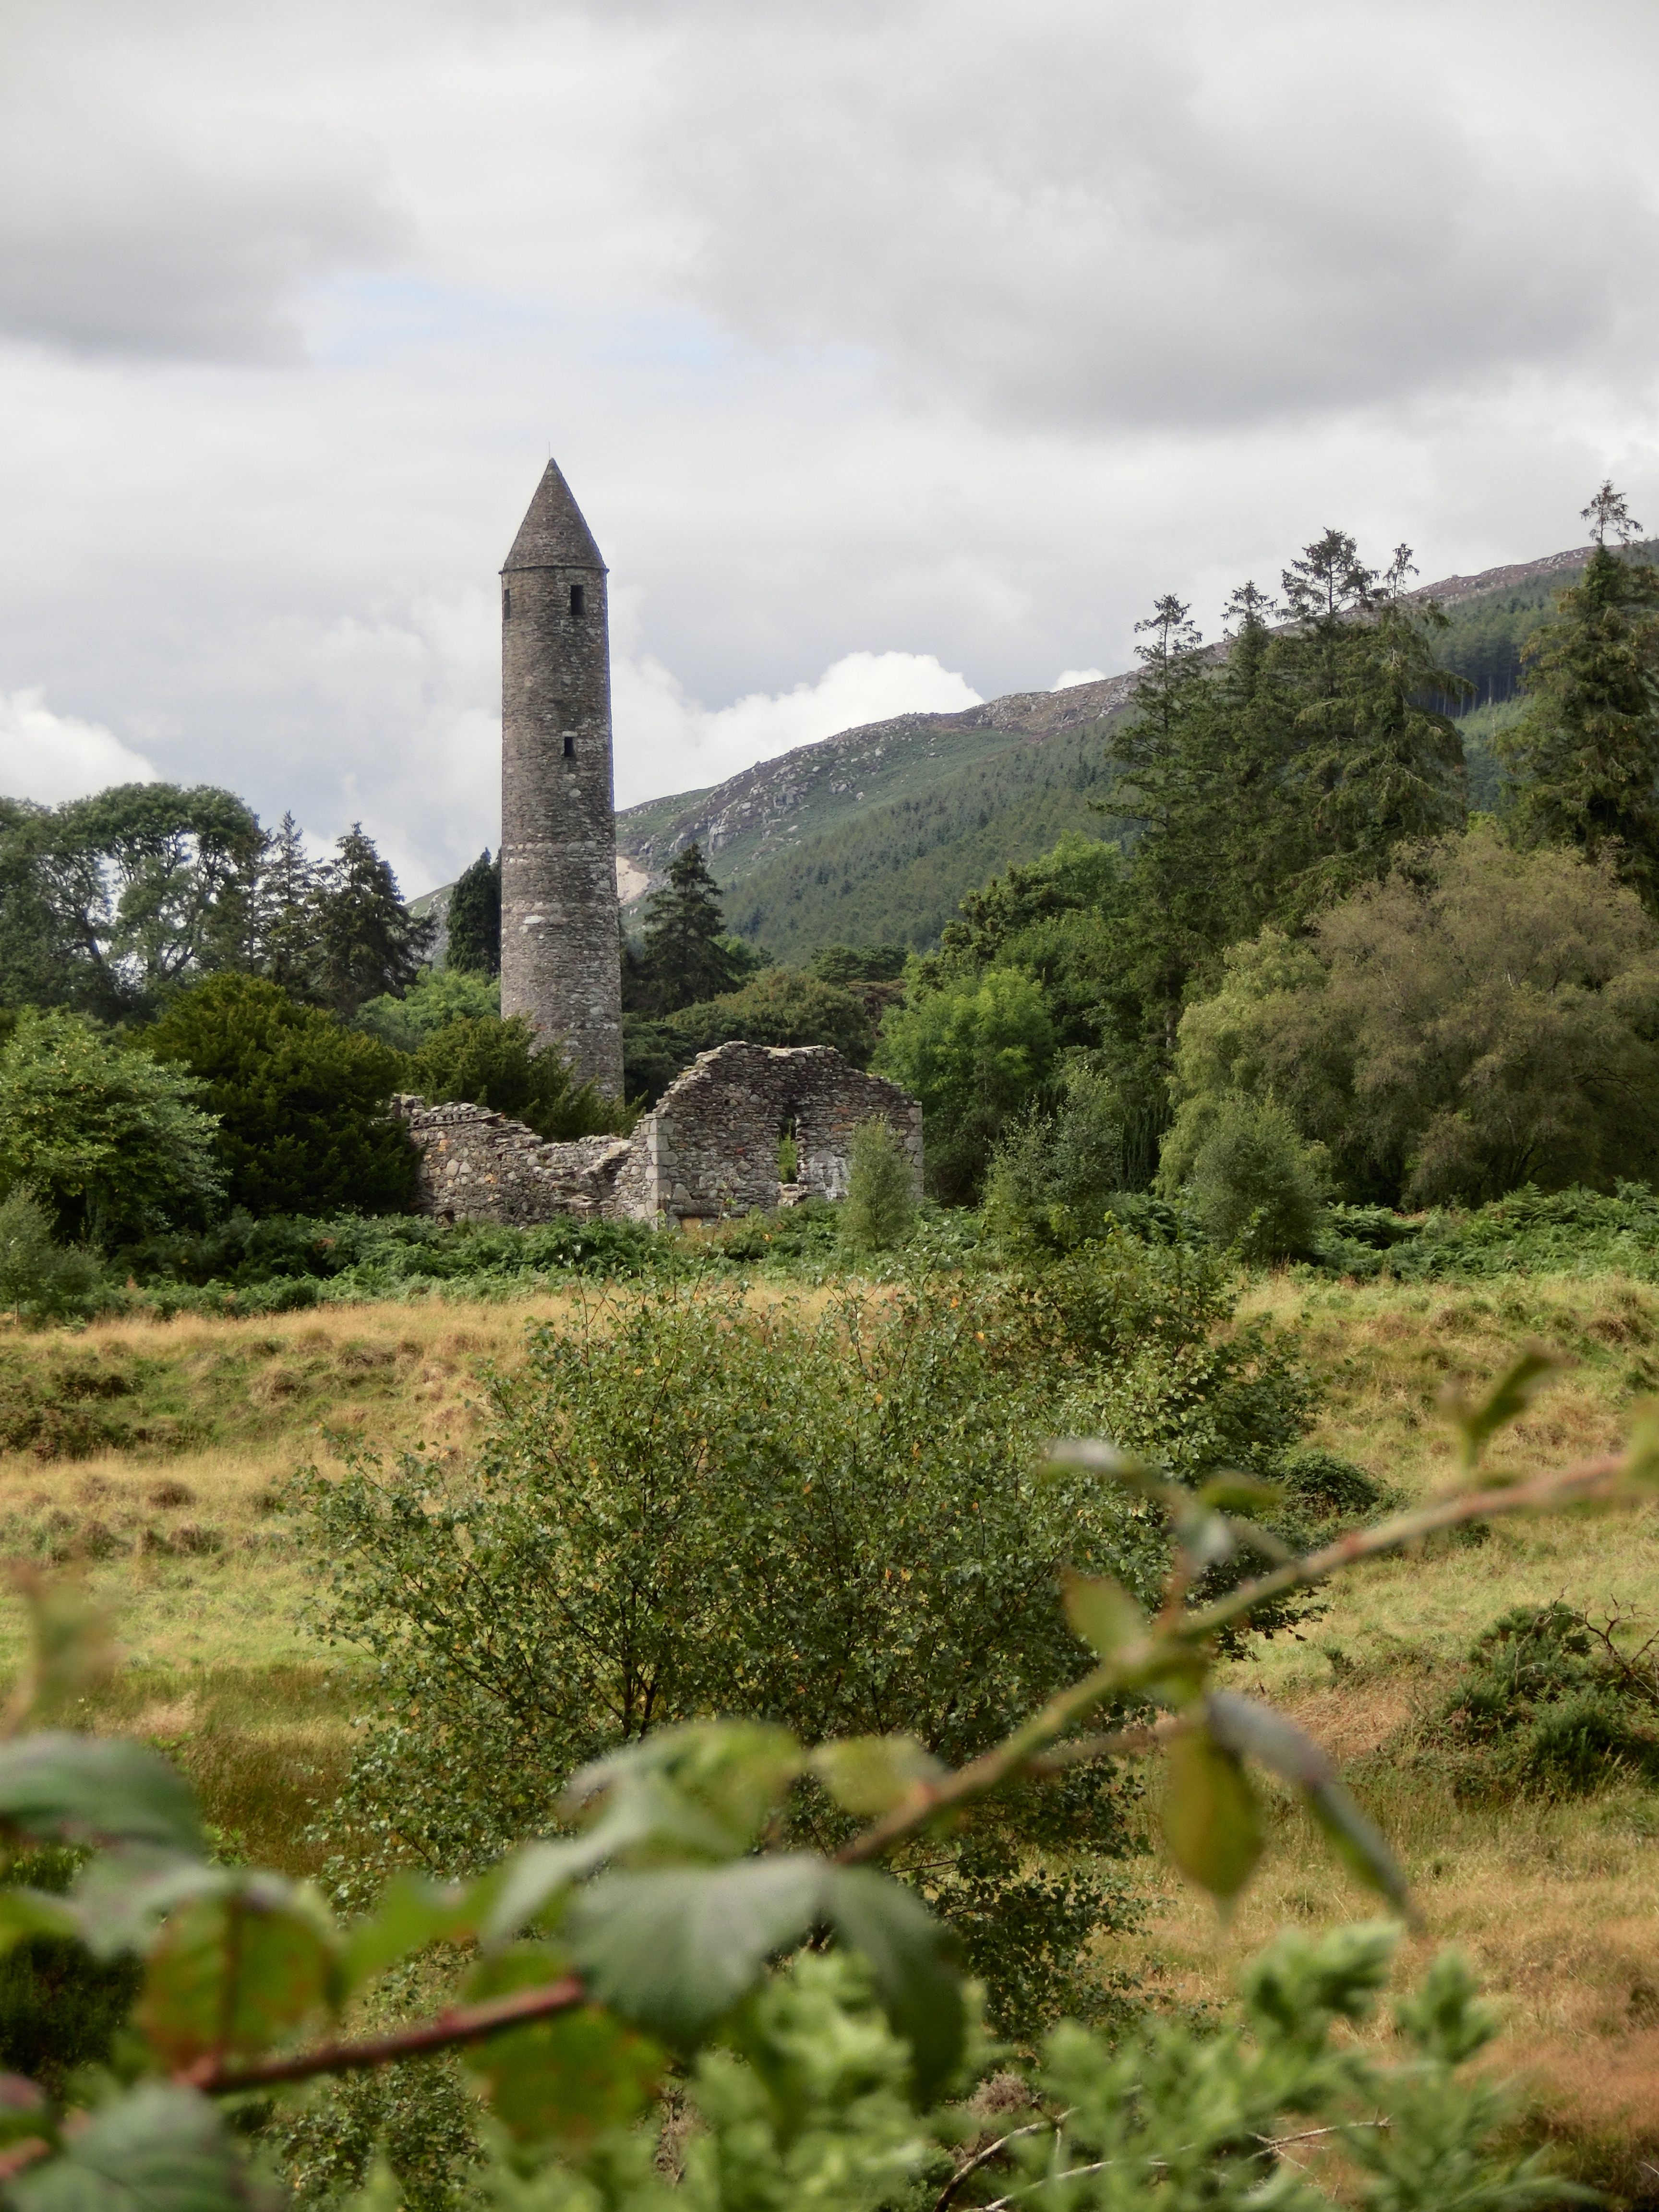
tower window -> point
(576, 598)
(506, 604)
(570, 745)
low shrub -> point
(1056, 1171)
(42, 1279)
(1255, 1183)
(880, 1208)
(1545, 1705)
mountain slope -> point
(874, 835)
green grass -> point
(1559, 1903)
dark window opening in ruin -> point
(576, 598)
(788, 1150)
(570, 745)
(506, 606)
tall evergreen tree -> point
(475, 918)
(1586, 752)
(289, 883)
(1377, 764)
(684, 960)
(368, 943)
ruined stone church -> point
(710, 1147)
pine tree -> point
(368, 942)
(285, 948)
(475, 918)
(1376, 765)
(684, 960)
(1586, 750)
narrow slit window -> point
(506, 605)
(570, 745)
(576, 590)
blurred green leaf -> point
(28, 1912)
(675, 1950)
(869, 1774)
(71, 1646)
(704, 1790)
(565, 2077)
(96, 1790)
(1210, 1819)
(1230, 1493)
(908, 1953)
(232, 1973)
(1360, 1844)
(1476, 1420)
(1246, 1728)
(412, 1912)
(1102, 1611)
(121, 1896)
(156, 2150)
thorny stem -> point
(457, 2024)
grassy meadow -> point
(155, 1453)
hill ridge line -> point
(756, 798)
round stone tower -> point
(560, 955)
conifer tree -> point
(285, 949)
(1587, 749)
(368, 941)
(475, 918)
(1377, 765)
(685, 959)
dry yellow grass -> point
(1558, 1905)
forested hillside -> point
(875, 835)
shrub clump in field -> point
(880, 1208)
(1547, 1705)
(836, 1520)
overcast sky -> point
(899, 353)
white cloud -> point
(668, 742)
(1067, 677)
(51, 758)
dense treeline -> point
(1344, 988)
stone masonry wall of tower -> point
(561, 959)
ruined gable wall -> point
(710, 1148)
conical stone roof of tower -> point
(553, 534)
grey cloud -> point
(150, 203)
(1082, 212)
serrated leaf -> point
(232, 1973)
(673, 1951)
(69, 1788)
(1102, 1611)
(156, 2150)
(869, 1774)
(1210, 1819)
(1476, 1420)
(908, 1953)
(565, 2077)
(1230, 1493)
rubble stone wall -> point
(709, 1149)
(476, 1166)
